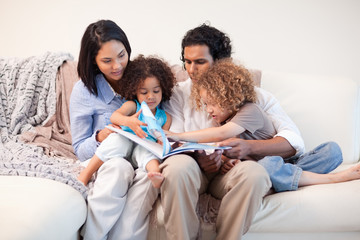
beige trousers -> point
(241, 190)
(119, 203)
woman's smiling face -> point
(112, 60)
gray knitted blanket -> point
(28, 99)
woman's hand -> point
(103, 133)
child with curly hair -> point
(146, 79)
(227, 92)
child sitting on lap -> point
(145, 79)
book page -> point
(153, 147)
(192, 146)
(154, 129)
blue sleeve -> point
(81, 121)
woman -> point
(120, 197)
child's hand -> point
(174, 137)
(228, 164)
(135, 124)
(114, 126)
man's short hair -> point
(219, 43)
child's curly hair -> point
(227, 84)
(141, 68)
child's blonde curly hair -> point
(227, 84)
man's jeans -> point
(285, 175)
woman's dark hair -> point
(218, 42)
(95, 35)
(141, 68)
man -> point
(244, 186)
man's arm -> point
(286, 129)
(257, 149)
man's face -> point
(197, 60)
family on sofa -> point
(122, 196)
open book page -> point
(192, 146)
(155, 130)
(158, 150)
(155, 148)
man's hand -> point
(209, 163)
(240, 148)
(257, 149)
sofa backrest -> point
(324, 108)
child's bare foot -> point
(349, 174)
(156, 179)
(83, 178)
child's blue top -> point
(160, 117)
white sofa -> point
(324, 108)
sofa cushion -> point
(311, 209)
(324, 108)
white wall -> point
(308, 36)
